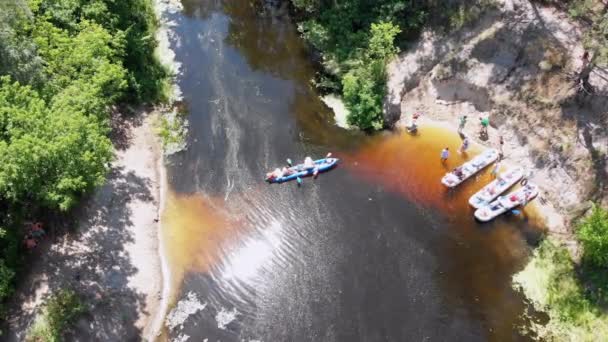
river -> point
(375, 250)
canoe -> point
(502, 183)
(470, 168)
(321, 165)
(505, 203)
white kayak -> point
(468, 169)
(505, 203)
(502, 183)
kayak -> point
(299, 171)
(505, 203)
(468, 169)
(501, 184)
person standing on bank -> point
(445, 154)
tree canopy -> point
(63, 65)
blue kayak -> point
(299, 171)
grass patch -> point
(59, 313)
(172, 129)
(573, 296)
(554, 285)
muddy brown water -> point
(375, 250)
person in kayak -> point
(277, 173)
(287, 171)
(308, 163)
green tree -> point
(364, 92)
(593, 234)
(48, 155)
(18, 56)
(381, 44)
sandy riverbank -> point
(111, 257)
(512, 65)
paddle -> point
(299, 180)
(289, 162)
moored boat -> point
(468, 169)
(502, 183)
(508, 202)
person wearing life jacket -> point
(277, 173)
(308, 163)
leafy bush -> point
(63, 65)
(59, 312)
(6, 280)
(551, 283)
(364, 94)
(593, 234)
(48, 155)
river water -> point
(375, 250)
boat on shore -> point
(506, 203)
(468, 169)
(502, 183)
(301, 171)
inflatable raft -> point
(501, 184)
(299, 171)
(468, 169)
(505, 203)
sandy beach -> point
(110, 258)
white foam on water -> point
(181, 338)
(164, 36)
(225, 317)
(184, 309)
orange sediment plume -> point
(410, 165)
(194, 230)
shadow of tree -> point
(121, 122)
(92, 261)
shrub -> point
(59, 312)
(593, 234)
(363, 96)
(551, 283)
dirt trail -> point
(111, 258)
(514, 65)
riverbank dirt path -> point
(111, 257)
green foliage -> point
(171, 128)
(307, 5)
(59, 312)
(593, 234)
(6, 280)
(364, 92)
(129, 32)
(357, 39)
(381, 43)
(550, 281)
(49, 155)
(596, 33)
(63, 65)
(18, 57)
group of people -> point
(33, 235)
(485, 122)
(288, 170)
